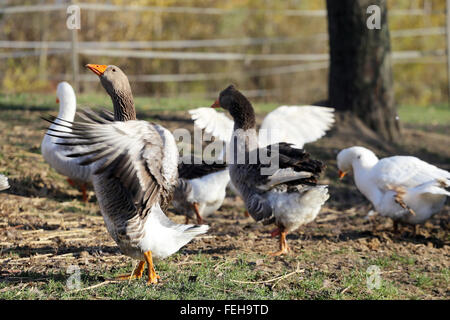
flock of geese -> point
(134, 168)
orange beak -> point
(216, 104)
(98, 69)
(57, 100)
(341, 174)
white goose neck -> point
(361, 171)
(67, 108)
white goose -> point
(403, 188)
(3, 182)
(54, 154)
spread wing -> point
(297, 125)
(405, 171)
(215, 123)
(132, 152)
(295, 168)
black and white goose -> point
(135, 171)
(288, 194)
(201, 189)
(279, 125)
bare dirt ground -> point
(44, 228)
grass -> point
(208, 278)
(431, 115)
(409, 114)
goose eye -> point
(114, 70)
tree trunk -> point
(360, 79)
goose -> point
(404, 188)
(3, 182)
(199, 190)
(134, 167)
(279, 125)
(134, 172)
(55, 154)
(280, 188)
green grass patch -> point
(431, 115)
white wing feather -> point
(406, 172)
(215, 123)
(295, 124)
(292, 124)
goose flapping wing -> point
(405, 172)
(297, 125)
(132, 151)
(294, 168)
(217, 124)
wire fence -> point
(146, 49)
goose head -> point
(116, 84)
(67, 100)
(348, 159)
(112, 78)
(239, 107)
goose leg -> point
(83, 188)
(197, 213)
(284, 249)
(152, 276)
(275, 232)
(396, 227)
(84, 192)
(186, 219)
(71, 182)
(246, 214)
(137, 274)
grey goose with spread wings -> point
(135, 171)
(288, 197)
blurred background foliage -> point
(415, 83)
